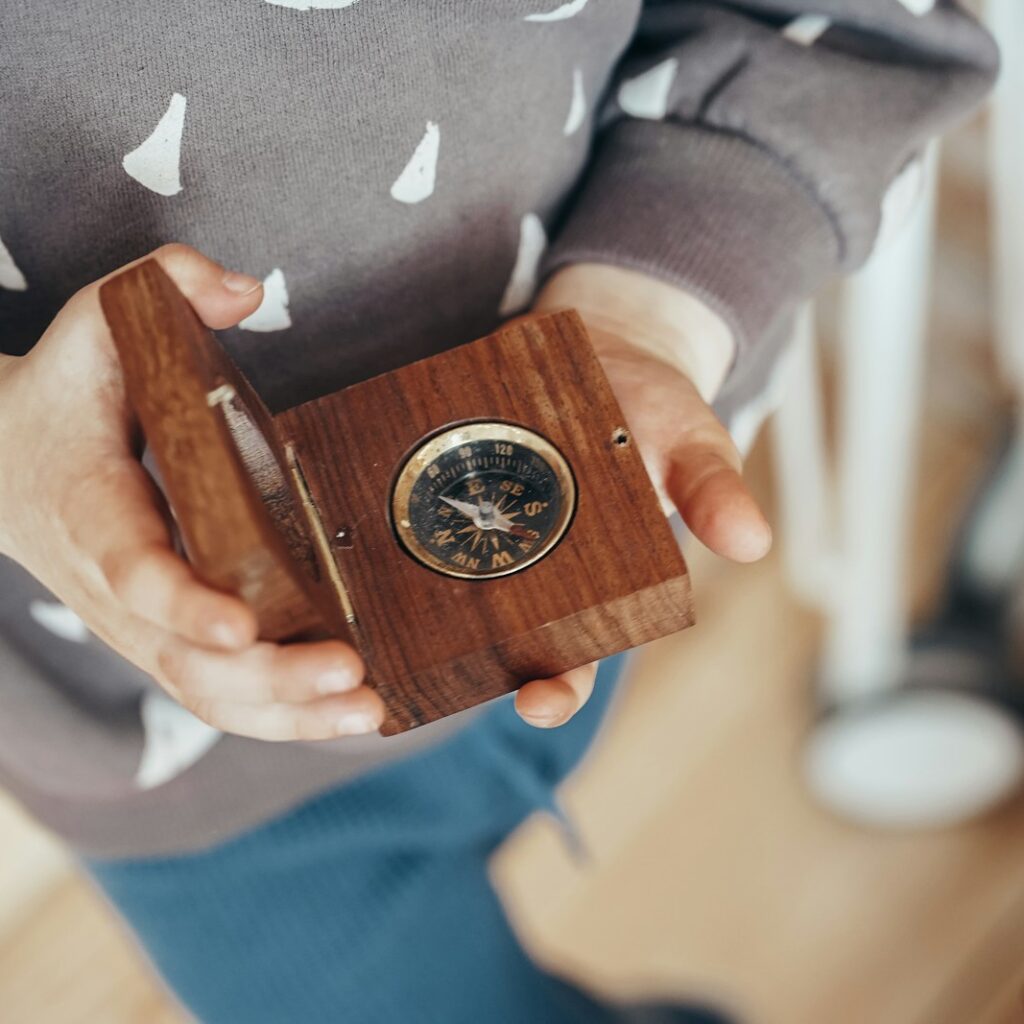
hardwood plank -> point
(31, 863)
(71, 963)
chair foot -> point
(917, 758)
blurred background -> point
(781, 819)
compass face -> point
(482, 500)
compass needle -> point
(476, 484)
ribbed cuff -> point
(713, 214)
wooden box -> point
(306, 498)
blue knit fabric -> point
(370, 903)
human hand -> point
(665, 355)
(80, 513)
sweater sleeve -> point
(745, 147)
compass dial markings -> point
(487, 503)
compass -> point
(483, 499)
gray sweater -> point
(403, 175)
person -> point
(385, 181)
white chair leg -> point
(882, 333)
(921, 757)
(1006, 148)
(1006, 162)
(915, 757)
(805, 506)
(924, 758)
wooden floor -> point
(711, 874)
(715, 876)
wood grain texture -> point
(435, 645)
(171, 364)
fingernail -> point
(356, 723)
(545, 721)
(761, 542)
(240, 284)
(336, 680)
(224, 634)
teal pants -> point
(371, 903)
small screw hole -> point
(620, 436)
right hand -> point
(80, 513)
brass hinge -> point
(320, 540)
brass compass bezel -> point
(431, 449)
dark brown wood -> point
(240, 526)
(436, 645)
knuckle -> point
(83, 297)
(172, 666)
(78, 533)
(305, 728)
(265, 675)
(173, 251)
(129, 574)
(180, 607)
(270, 724)
(204, 708)
(65, 505)
(118, 568)
(732, 455)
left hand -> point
(665, 355)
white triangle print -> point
(317, 5)
(523, 283)
(646, 95)
(919, 7)
(59, 621)
(807, 29)
(175, 740)
(416, 182)
(577, 106)
(11, 277)
(157, 162)
(272, 313)
(568, 10)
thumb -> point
(704, 482)
(220, 297)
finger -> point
(351, 714)
(117, 525)
(220, 297)
(263, 673)
(546, 703)
(705, 485)
(155, 584)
